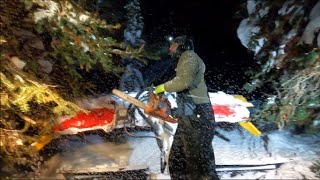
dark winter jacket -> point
(190, 76)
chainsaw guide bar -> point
(157, 106)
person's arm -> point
(185, 73)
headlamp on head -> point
(169, 39)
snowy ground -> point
(296, 152)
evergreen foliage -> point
(286, 63)
(316, 168)
(46, 48)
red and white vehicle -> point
(109, 112)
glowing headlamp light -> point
(169, 39)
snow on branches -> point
(284, 36)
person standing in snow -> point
(191, 155)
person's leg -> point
(177, 161)
(193, 152)
(207, 159)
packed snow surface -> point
(295, 152)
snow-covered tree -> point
(133, 32)
(46, 48)
(284, 37)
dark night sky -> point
(212, 26)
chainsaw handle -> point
(171, 119)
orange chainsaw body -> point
(159, 107)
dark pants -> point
(191, 155)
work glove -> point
(159, 89)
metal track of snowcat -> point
(139, 172)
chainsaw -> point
(157, 105)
